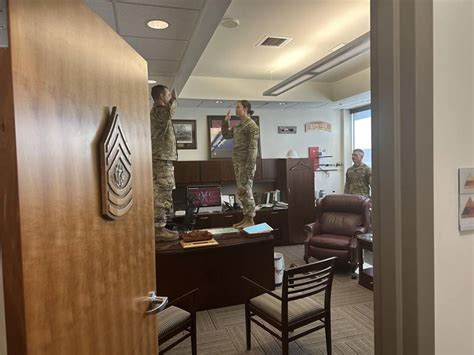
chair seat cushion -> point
(170, 319)
(331, 241)
(297, 310)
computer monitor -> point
(207, 197)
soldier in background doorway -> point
(164, 152)
(244, 157)
(358, 176)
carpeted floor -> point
(222, 331)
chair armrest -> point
(182, 297)
(253, 283)
(360, 230)
(312, 229)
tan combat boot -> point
(163, 234)
(237, 225)
(247, 222)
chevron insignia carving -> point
(116, 169)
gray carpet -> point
(222, 331)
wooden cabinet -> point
(296, 182)
(278, 220)
(217, 171)
(227, 171)
(211, 171)
(269, 169)
(187, 172)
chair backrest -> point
(343, 214)
(190, 217)
(307, 280)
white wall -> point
(453, 149)
(276, 145)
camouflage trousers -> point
(163, 180)
(244, 179)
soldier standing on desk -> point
(244, 157)
(164, 152)
(358, 176)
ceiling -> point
(315, 26)
(355, 101)
(164, 50)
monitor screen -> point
(204, 196)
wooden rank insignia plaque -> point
(116, 169)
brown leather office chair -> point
(339, 219)
(173, 321)
(294, 306)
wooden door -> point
(75, 283)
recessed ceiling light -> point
(157, 24)
(151, 81)
(230, 22)
(282, 103)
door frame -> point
(402, 136)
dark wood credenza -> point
(293, 177)
(215, 270)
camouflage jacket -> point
(358, 180)
(245, 137)
(163, 137)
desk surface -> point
(215, 270)
(224, 240)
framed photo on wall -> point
(185, 131)
(219, 147)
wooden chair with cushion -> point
(173, 321)
(294, 306)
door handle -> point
(155, 303)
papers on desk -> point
(215, 231)
(257, 230)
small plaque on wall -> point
(286, 129)
(116, 169)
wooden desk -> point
(215, 270)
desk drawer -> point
(203, 222)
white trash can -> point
(279, 268)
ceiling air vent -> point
(268, 41)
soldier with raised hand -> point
(244, 157)
(164, 152)
(358, 176)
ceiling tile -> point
(163, 67)
(105, 10)
(132, 20)
(161, 49)
(184, 4)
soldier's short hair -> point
(358, 151)
(157, 90)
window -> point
(362, 133)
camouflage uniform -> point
(358, 180)
(244, 157)
(164, 152)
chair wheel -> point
(354, 277)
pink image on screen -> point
(205, 196)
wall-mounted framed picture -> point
(185, 131)
(466, 199)
(219, 147)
